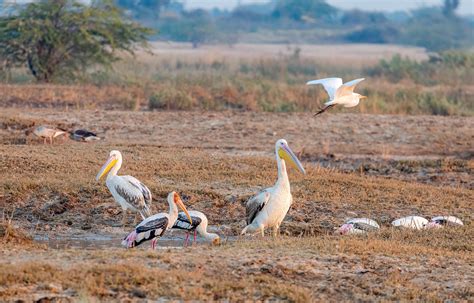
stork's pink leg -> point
(153, 243)
(186, 241)
(194, 236)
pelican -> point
(127, 191)
(84, 135)
(339, 93)
(198, 225)
(268, 208)
(358, 226)
(155, 226)
(441, 221)
(46, 132)
(413, 222)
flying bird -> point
(339, 93)
(152, 228)
(198, 225)
(46, 132)
(413, 222)
(127, 191)
(269, 207)
(83, 135)
(358, 226)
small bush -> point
(170, 99)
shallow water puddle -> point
(96, 241)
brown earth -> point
(383, 167)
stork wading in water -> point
(152, 228)
(127, 191)
(339, 93)
(198, 226)
(269, 207)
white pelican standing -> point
(46, 132)
(339, 93)
(198, 225)
(127, 191)
(269, 207)
(155, 226)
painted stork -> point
(269, 207)
(152, 228)
(358, 226)
(127, 191)
(198, 225)
(339, 93)
(46, 132)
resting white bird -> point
(358, 226)
(339, 93)
(198, 225)
(127, 191)
(269, 207)
(441, 221)
(46, 132)
(152, 228)
(414, 222)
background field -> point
(262, 78)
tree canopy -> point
(61, 38)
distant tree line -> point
(436, 28)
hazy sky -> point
(466, 8)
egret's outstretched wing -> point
(348, 87)
(255, 204)
(330, 85)
(135, 193)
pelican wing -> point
(330, 85)
(183, 222)
(136, 194)
(255, 204)
(348, 87)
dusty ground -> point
(357, 165)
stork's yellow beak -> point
(363, 97)
(179, 202)
(287, 154)
(111, 161)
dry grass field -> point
(381, 166)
